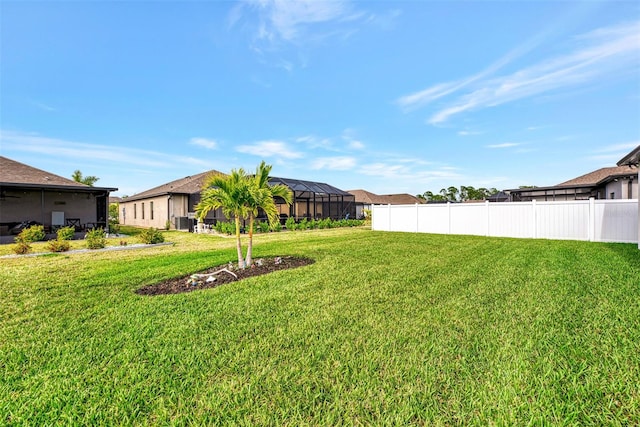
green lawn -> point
(384, 329)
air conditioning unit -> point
(182, 223)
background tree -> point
(261, 196)
(87, 180)
(231, 193)
(453, 194)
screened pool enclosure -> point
(315, 200)
(311, 200)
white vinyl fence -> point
(591, 220)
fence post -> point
(389, 215)
(417, 219)
(592, 219)
(535, 219)
(449, 217)
(486, 204)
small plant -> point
(96, 238)
(123, 243)
(58, 245)
(151, 236)
(263, 226)
(21, 248)
(290, 224)
(66, 233)
(167, 225)
(35, 233)
(276, 227)
(225, 227)
(114, 228)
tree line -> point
(455, 194)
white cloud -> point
(625, 146)
(210, 144)
(356, 145)
(289, 21)
(349, 136)
(334, 163)
(504, 145)
(270, 149)
(469, 133)
(42, 106)
(405, 172)
(603, 52)
(80, 151)
(314, 142)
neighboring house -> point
(631, 161)
(618, 182)
(167, 204)
(174, 203)
(365, 199)
(30, 194)
(500, 196)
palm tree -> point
(87, 180)
(231, 193)
(262, 197)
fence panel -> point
(616, 221)
(435, 220)
(470, 218)
(562, 220)
(511, 220)
(404, 218)
(596, 220)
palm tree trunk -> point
(238, 244)
(249, 261)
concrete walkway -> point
(80, 251)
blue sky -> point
(391, 97)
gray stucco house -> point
(31, 194)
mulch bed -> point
(261, 266)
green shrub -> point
(167, 225)
(114, 227)
(263, 226)
(151, 236)
(290, 224)
(66, 233)
(21, 248)
(225, 227)
(276, 227)
(35, 233)
(59, 245)
(96, 238)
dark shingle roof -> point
(369, 198)
(187, 185)
(16, 174)
(632, 158)
(598, 176)
(12, 172)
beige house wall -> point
(137, 213)
(151, 212)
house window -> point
(612, 195)
(135, 211)
(151, 209)
(142, 210)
